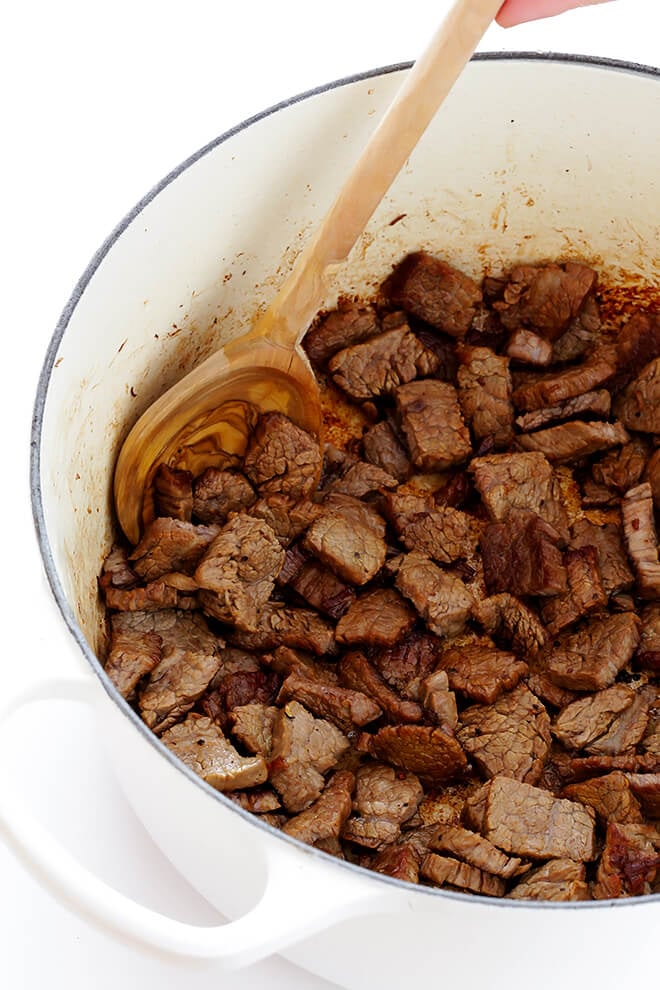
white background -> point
(99, 101)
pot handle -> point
(284, 915)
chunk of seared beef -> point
(117, 572)
(521, 556)
(529, 822)
(402, 506)
(361, 479)
(637, 343)
(441, 599)
(545, 297)
(433, 426)
(528, 348)
(303, 749)
(343, 706)
(285, 660)
(280, 625)
(610, 797)
(622, 469)
(648, 652)
(405, 665)
(556, 880)
(642, 539)
(348, 536)
(325, 818)
(586, 766)
(558, 386)
(420, 749)
(439, 701)
(190, 658)
(173, 494)
(253, 725)
(484, 394)
(652, 475)
(443, 534)
(627, 730)
(358, 674)
(613, 566)
(646, 789)
(585, 593)
(444, 871)
(202, 746)
(152, 597)
(216, 493)
(260, 801)
(399, 861)
(341, 327)
(287, 517)
(520, 481)
(509, 621)
(581, 336)
(475, 850)
(584, 721)
(384, 799)
(638, 406)
(281, 458)
(630, 861)
(595, 404)
(591, 658)
(244, 687)
(383, 448)
(322, 589)
(480, 671)
(575, 440)
(170, 545)
(509, 737)
(380, 617)
(379, 365)
(135, 650)
(435, 292)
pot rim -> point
(38, 513)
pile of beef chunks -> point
(442, 661)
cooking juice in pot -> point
(440, 661)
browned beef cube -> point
(561, 385)
(380, 617)
(622, 469)
(173, 493)
(398, 861)
(435, 292)
(510, 737)
(240, 568)
(529, 822)
(585, 592)
(217, 493)
(596, 403)
(405, 665)
(528, 348)
(575, 440)
(286, 660)
(201, 745)
(245, 687)
(383, 448)
(556, 880)
(357, 673)
(521, 556)
(384, 800)
(260, 801)
(279, 625)
(506, 619)
(281, 458)
(627, 730)
(484, 393)
(321, 588)
(587, 719)
(361, 479)
(420, 749)
(545, 297)
(586, 766)
(135, 649)
(439, 701)
(637, 343)
(630, 861)
(303, 749)
(151, 598)
(609, 796)
(582, 334)
(652, 475)
(642, 539)
(648, 652)
(325, 818)
(520, 481)
(349, 537)
(436, 435)
(612, 563)
(441, 599)
(646, 789)
(444, 534)
(379, 365)
(253, 725)
(341, 327)
(117, 572)
(446, 871)
(343, 706)
(591, 658)
(287, 517)
(170, 545)
(481, 671)
(475, 850)
(402, 506)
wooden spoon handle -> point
(426, 86)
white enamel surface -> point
(493, 180)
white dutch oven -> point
(531, 158)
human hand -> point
(517, 11)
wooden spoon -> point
(206, 418)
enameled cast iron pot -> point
(531, 158)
